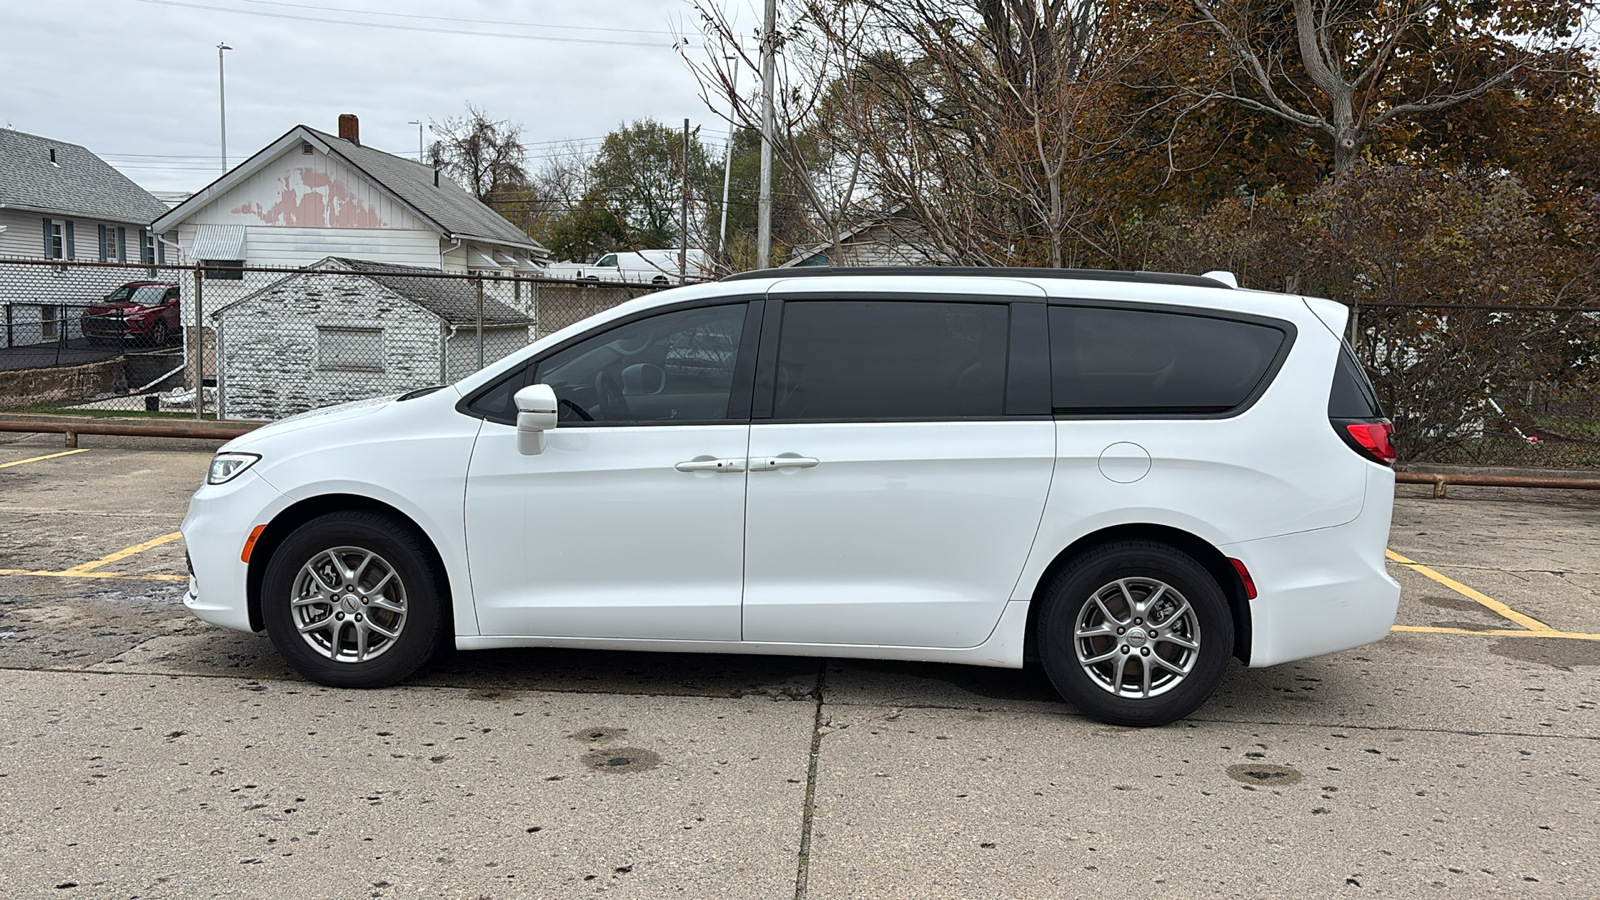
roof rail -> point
(989, 272)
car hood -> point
(124, 308)
(327, 415)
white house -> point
(348, 329)
(59, 201)
(310, 195)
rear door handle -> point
(710, 464)
(785, 461)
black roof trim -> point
(987, 271)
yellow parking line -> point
(40, 458)
(1500, 632)
(1496, 606)
(123, 554)
(70, 574)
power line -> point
(396, 27)
(374, 12)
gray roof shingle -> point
(449, 205)
(78, 183)
(451, 299)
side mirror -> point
(536, 414)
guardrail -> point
(72, 426)
(1442, 479)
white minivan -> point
(1130, 477)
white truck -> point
(639, 267)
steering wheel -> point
(613, 405)
(577, 410)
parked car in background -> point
(659, 267)
(142, 312)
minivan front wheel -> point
(351, 600)
(1135, 633)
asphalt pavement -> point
(146, 754)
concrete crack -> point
(804, 867)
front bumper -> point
(219, 520)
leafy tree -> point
(486, 156)
(638, 175)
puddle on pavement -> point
(598, 735)
(1263, 774)
(621, 759)
(1560, 653)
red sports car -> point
(139, 311)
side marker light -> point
(255, 534)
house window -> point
(113, 244)
(147, 246)
(349, 349)
(227, 269)
(55, 239)
(48, 323)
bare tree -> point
(1348, 69)
(817, 87)
(482, 154)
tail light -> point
(1374, 440)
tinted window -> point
(887, 359)
(1352, 396)
(677, 366)
(1123, 360)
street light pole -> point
(418, 123)
(222, 100)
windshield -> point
(144, 295)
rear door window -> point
(1109, 361)
(891, 359)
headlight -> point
(224, 466)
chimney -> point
(350, 128)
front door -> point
(625, 526)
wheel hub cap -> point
(349, 604)
(1137, 637)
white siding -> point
(308, 191)
(24, 235)
(461, 350)
(267, 246)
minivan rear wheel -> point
(350, 599)
(1135, 633)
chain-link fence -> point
(1487, 384)
(107, 338)
(1477, 384)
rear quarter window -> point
(1111, 361)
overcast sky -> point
(135, 81)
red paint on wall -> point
(312, 199)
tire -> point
(1098, 655)
(159, 336)
(373, 635)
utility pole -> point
(764, 215)
(727, 162)
(683, 219)
(418, 123)
(222, 101)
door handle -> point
(785, 461)
(710, 464)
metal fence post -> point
(199, 348)
(479, 282)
